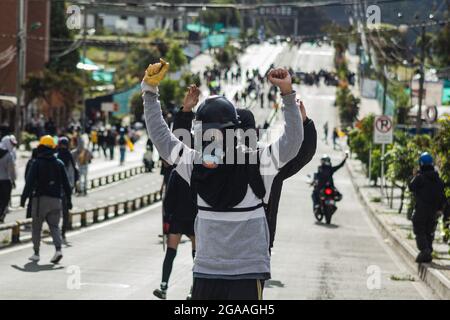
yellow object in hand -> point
(155, 73)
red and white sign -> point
(383, 132)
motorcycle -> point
(328, 197)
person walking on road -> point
(83, 158)
(428, 190)
(325, 132)
(232, 243)
(111, 142)
(335, 137)
(122, 142)
(66, 157)
(46, 185)
(7, 175)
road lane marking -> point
(89, 228)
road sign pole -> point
(370, 162)
(382, 168)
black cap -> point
(217, 112)
(246, 119)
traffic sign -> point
(383, 130)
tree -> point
(348, 106)
(61, 37)
(170, 93)
(137, 106)
(176, 57)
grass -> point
(6, 240)
(410, 236)
(406, 277)
(376, 199)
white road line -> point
(90, 228)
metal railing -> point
(91, 215)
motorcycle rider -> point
(232, 242)
(324, 175)
(428, 190)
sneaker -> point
(424, 257)
(161, 294)
(34, 258)
(189, 296)
(57, 257)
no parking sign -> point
(383, 130)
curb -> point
(432, 277)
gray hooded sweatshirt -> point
(229, 245)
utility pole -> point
(421, 82)
(83, 107)
(20, 77)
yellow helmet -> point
(47, 141)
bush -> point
(26, 138)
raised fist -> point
(281, 78)
(155, 73)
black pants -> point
(220, 289)
(5, 197)
(424, 227)
(65, 217)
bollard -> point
(95, 215)
(15, 238)
(106, 213)
(70, 222)
(116, 210)
(133, 205)
(83, 218)
(125, 207)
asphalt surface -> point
(122, 258)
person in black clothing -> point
(178, 207)
(46, 185)
(304, 156)
(324, 175)
(428, 190)
(63, 153)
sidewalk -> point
(397, 230)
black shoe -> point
(161, 294)
(424, 257)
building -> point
(37, 13)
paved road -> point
(121, 259)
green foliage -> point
(227, 55)
(441, 148)
(26, 138)
(170, 92)
(136, 106)
(360, 142)
(348, 106)
(59, 30)
(175, 56)
(43, 84)
(440, 44)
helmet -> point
(47, 141)
(425, 159)
(325, 159)
(217, 112)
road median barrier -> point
(88, 216)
